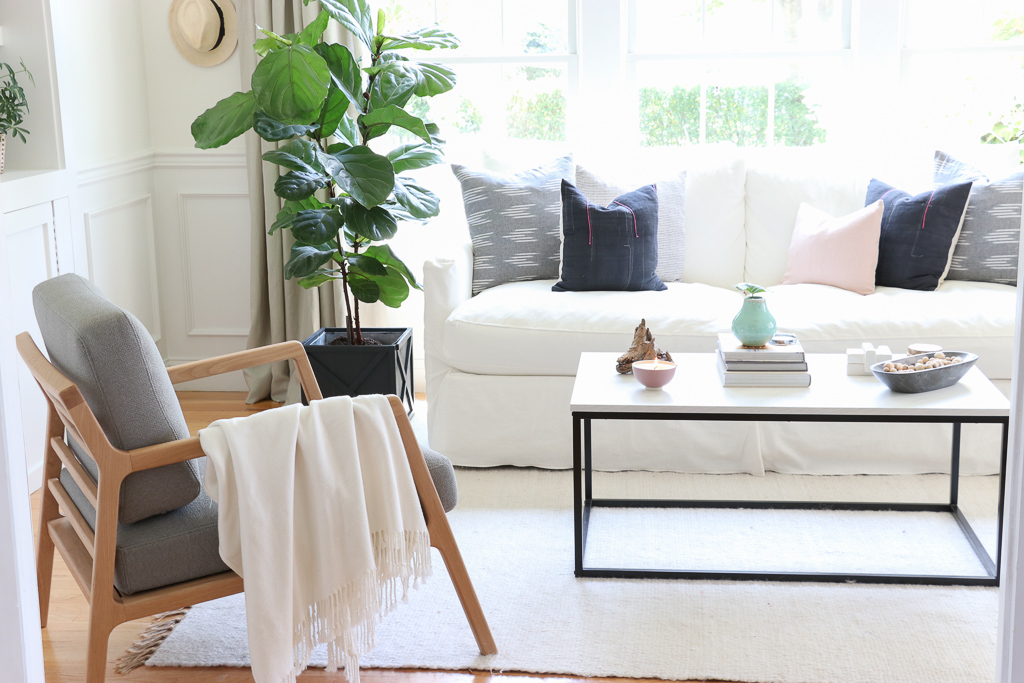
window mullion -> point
(602, 46)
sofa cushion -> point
(671, 214)
(918, 233)
(989, 242)
(109, 354)
(514, 221)
(609, 248)
(841, 252)
(776, 186)
(525, 329)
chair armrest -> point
(218, 365)
(167, 453)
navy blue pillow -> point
(918, 233)
(612, 248)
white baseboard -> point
(35, 478)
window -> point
(516, 67)
(755, 72)
(761, 73)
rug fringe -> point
(149, 641)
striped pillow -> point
(514, 222)
(986, 250)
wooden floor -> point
(64, 639)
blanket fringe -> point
(347, 619)
(149, 641)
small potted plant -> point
(340, 199)
(754, 325)
(13, 105)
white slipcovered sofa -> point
(500, 365)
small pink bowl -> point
(651, 376)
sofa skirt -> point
(493, 420)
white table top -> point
(696, 388)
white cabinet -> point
(39, 246)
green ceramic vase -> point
(753, 325)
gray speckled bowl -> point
(925, 380)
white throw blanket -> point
(319, 514)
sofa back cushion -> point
(109, 354)
(776, 185)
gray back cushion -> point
(109, 354)
(989, 241)
(514, 222)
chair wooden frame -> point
(89, 553)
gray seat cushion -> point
(183, 545)
(443, 474)
(109, 354)
(164, 549)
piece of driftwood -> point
(642, 348)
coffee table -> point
(696, 393)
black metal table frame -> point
(584, 502)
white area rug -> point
(514, 528)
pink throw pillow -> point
(841, 252)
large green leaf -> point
(366, 176)
(291, 83)
(273, 130)
(379, 121)
(394, 289)
(375, 224)
(299, 185)
(367, 265)
(263, 46)
(298, 155)
(422, 39)
(385, 255)
(345, 72)
(304, 259)
(312, 33)
(417, 200)
(394, 86)
(363, 288)
(286, 215)
(333, 111)
(348, 131)
(316, 226)
(354, 15)
(317, 279)
(415, 155)
(224, 121)
(434, 79)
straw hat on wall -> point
(204, 31)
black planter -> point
(343, 370)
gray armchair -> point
(137, 531)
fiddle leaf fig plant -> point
(340, 199)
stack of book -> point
(780, 363)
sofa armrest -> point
(447, 283)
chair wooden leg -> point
(441, 532)
(49, 510)
(441, 538)
(100, 626)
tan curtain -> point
(280, 308)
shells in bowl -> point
(908, 376)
